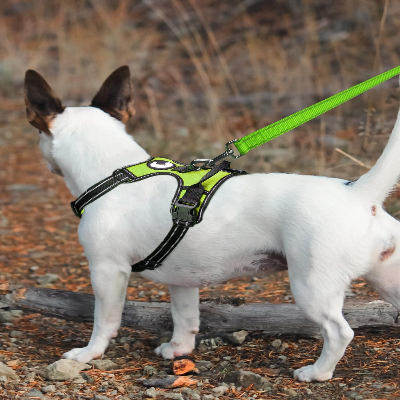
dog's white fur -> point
(329, 232)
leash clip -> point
(229, 151)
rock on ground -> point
(192, 394)
(8, 372)
(105, 365)
(63, 370)
(220, 390)
(247, 378)
(149, 370)
(100, 397)
(237, 337)
(48, 389)
(6, 316)
(35, 393)
(175, 396)
(151, 392)
(276, 343)
(47, 279)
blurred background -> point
(204, 72)
(208, 71)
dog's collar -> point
(194, 192)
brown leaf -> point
(13, 363)
(272, 371)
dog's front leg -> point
(185, 314)
(109, 285)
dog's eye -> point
(40, 132)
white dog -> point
(329, 231)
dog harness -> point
(193, 194)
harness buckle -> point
(122, 175)
(185, 213)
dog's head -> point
(43, 107)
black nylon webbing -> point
(99, 189)
(154, 260)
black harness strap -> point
(154, 260)
(94, 192)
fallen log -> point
(271, 318)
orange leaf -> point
(183, 366)
(184, 381)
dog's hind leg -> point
(322, 303)
(109, 285)
(185, 314)
(385, 279)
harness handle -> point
(210, 162)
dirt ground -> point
(38, 237)
(202, 77)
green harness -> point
(193, 194)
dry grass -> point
(209, 71)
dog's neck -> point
(89, 145)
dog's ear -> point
(115, 96)
(42, 104)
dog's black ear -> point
(115, 96)
(42, 104)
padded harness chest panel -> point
(164, 166)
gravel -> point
(101, 397)
(47, 279)
(276, 343)
(220, 390)
(237, 337)
(49, 389)
(105, 365)
(148, 370)
(247, 378)
(63, 370)
(151, 392)
(6, 316)
(35, 393)
(8, 372)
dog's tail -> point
(378, 183)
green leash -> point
(264, 135)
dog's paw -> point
(171, 350)
(84, 354)
(310, 373)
